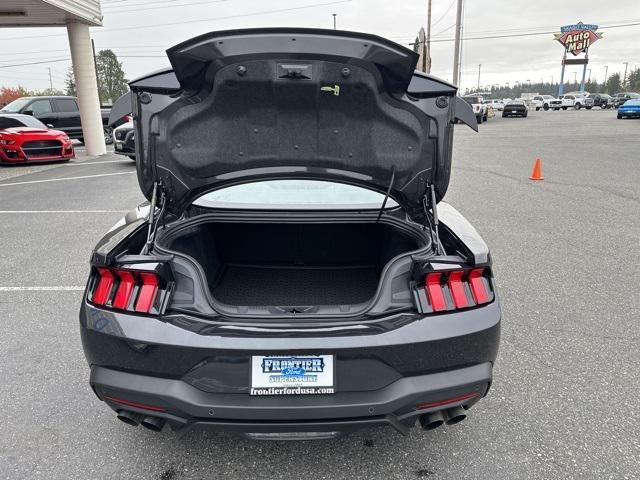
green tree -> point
(70, 83)
(634, 80)
(614, 84)
(112, 83)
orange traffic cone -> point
(536, 174)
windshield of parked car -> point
(516, 102)
(16, 105)
(633, 102)
(547, 96)
(294, 195)
(22, 121)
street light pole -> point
(606, 74)
(624, 80)
(334, 20)
(479, 67)
(427, 48)
(456, 52)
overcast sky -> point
(145, 28)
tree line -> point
(112, 82)
(614, 84)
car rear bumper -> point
(199, 375)
(185, 407)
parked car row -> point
(60, 112)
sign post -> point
(576, 39)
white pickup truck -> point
(576, 101)
(480, 109)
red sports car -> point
(26, 139)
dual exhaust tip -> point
(433, 420)
(134, 419)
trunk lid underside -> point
(271, 103)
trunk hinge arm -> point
(429, 203)
(154, 219)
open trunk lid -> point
(244, 105)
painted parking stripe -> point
(89, 162)
(70, 288)
(65, 178)
(62, 211)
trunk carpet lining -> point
(250, 285)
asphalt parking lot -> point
(566, 253)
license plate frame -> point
(292, 375)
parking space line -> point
(80, 177)
(62, 211)
(89, 162)
(71, 288)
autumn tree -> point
(112, 83)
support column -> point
(86, 88)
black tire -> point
(537, 109)
(588, 108)
(556, 109)
(486, 117)
(81, 140)
(619, 116)
(564, 108)
(525, 114)
(504, 116)
(132, 157)
(545, 107)
(577, 106)
(479, 119)
(108, 135)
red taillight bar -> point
(434, 291)
(478, 287)
(102, 292)
(457, 289)
(123, 294)
(148, 291)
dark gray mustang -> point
(295, 273)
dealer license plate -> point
(292, 375)
(118, 146)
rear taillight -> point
(456, 289)
(132, 290)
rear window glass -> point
(24, 121)
(65, 104)
(294, 195)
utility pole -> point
(589, 75)
(479, 67)
(624, 80)
(50, 80)
(334, 20)
(427, 50)
(606, 74)
(456, 54)
(95, 66)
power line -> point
(186, 22)
(163, 5)
(443, 15)
(37, 63)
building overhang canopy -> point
(49, 13)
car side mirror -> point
(28, 112)
(49, 125)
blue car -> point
(630, 108)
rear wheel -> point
(479, 119)
(537, 109)
(132, 157)
(588, 108)
(108, 135)
(577, 106)
(546, 106)
(564, 108)
(619, 116)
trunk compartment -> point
(292, 267)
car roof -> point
(14, 115)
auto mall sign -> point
(577, 38)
